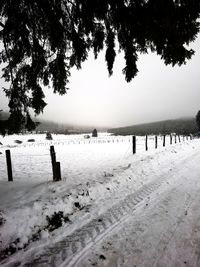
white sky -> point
(158, 92)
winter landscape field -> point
(111, 208)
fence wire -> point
(32, 161)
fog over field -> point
(159, 92)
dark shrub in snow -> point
(56, 220)
(49, 136)
(18, 142)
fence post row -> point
(9, 166)
(56, 165)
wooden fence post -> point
(170, 139)
(134, 144)
(179, 139)
(175, 138)
(58, 171)
(146, 143)
(53, 161)
(9, 166)
(156, 142)
(164, 140)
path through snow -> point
(165, 231)
(145, 214)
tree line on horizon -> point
(179, 126)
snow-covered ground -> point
(106, 201)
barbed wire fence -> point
(42, 164)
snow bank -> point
(96, 174)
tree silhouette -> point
(44, 39)
(94, 133)
(198, 119)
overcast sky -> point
(158, 92)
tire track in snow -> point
(172, 209)
(168, 236)
(72, 248)
(169, 233)
(158, 246)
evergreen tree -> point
(94, 133)
(44, 39)
(49, 136)
(30, 125)
(2, 124)
(198, 119)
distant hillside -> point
(54, 127)
(49, 126)
(61, 128)
(179, 126)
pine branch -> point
(9, 61)
(2, 25)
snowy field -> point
(80, 158)
(97, 175)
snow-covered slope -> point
(97, 175)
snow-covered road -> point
(163, 230)
(144, 212)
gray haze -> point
(158, 92)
